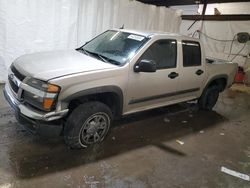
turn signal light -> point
(47, 103)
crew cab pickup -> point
(77, 93)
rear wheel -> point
(88, 124)
(209, 98)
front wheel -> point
(88, 124)
(209, 98)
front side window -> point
(191, 53)
(163, 52)
(114, 46)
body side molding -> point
(134, 101)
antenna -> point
(122, 27)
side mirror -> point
(145, 66)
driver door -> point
(149, 90)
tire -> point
(88, 124)
(209, 98)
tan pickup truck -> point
(79, 92)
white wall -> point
(28, 26)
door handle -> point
(199, 72)
(173, 75)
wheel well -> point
(220, 82)
(111, 99)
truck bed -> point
(212, 60)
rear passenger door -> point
(192, 73)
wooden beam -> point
(186, 2)
(228, 17)
(226, 1)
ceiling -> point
(168, 3)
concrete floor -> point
(141, 150)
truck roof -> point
(147, 33)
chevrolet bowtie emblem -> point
(11, 76)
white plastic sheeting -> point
(228, 30)
(28, 26)
(102, 15)
(222, 30)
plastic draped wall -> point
(28, 26)
(221, 30)
(231, 51)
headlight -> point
(40, 94)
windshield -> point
(114, 46)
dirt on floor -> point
(176, 147)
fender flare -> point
(224, 76)
(99, 90)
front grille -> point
(17, 73)
(13, 85)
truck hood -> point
(48, 65)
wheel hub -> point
(94, 128)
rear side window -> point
(163, 52)
(191, 53)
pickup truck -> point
(78, 93)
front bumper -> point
(29, 112)
(44, 124)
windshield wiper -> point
(98, 56)
(101, 57)
(93, 54)
(108, 60)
